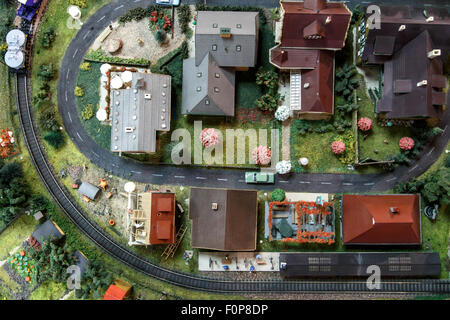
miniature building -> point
(225, 42)
(46, 231)
(412, 48)
(308, 35)
(88, 190)
(38, 216)
(81, 261)
(223, 219)
(355, 264)
(139, 112)
(381, 220)
(153, 222)
(210, 87)
(118, 291)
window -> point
(215, 25)
(199, 74)
(216, 89)
(217, 75)
(207, 102)
(214, 47)
(239, 26)
(238, 48)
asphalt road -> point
(204, 177)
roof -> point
(114, 293)
(367, 219)
(305, 24)
(232, 227)
(135, 122)
(240, 29)
(294, 58)
(208, 89)
(157, 214)
(47, 230)
(355, 264)
(318, 96)
(88, 190)
(392, 17)
(402, 98)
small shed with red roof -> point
(119, 290)
(392, 219)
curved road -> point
(203, 177)
(126, 256)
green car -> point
(259, 177)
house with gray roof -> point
(208, 88)
(88, 190)
(225, 42)
(231, 38)
(138, 111)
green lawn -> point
(15, 234)
(49, 290)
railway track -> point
(189, 281)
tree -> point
(282, 113)
(55, 139)
(338, 147)
(278, 195)
(9, 172)
(46, 72)
(364, 124)
(38, 203)
(261, 155)
(160, 36)
(283, 167)
(209, 137)
(406, 143)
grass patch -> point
(90, 81)
(49, 290)
(15, 234)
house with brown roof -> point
(412, 45)
(225, 42)
(308, 35)
(381, 219)
(153, 221)
(139, 110)
(223, 219)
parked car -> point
(174, 3)
(259, 177)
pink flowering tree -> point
(209, 137)
(364, 124)
(406, 143)
(261, 155)
(338, 147)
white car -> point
(173, 3)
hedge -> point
(100, 57)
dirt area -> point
(131, 34)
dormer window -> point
(199, 89)
(217, 75)
(239, 26)
(214, 47)
(199, 74)
(238, 48)
(216, 90)
(215, 25)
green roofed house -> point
(225, 42)
(138, 110)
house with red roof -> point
(308, 35)
(392, 219)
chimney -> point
(422, 83)
(328, 20)
(430, 19)
(315, 5)
(402, 27)
(394, 210)
(434, 53)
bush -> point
(38, 203)
(137, 14)
(79, 3)
(447, 162)
(278, 195)
(46, 72)
(88, 112)
(79, 92)
(9, 172)
(47, 120)
(55, 139)
(99, 56)
(160, 36)
(184, 17)
(47, 38)
(85, 66)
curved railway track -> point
(129, 258)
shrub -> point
(46, 72)
(184, 17)
(55, 139)
(47, 38)
(79, 3)
(85, 66)
(47, 120)
(160, 36)
(79, 92)
(88, 112)
(278, 195)
(100, 56)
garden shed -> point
(46, 231)
(119, 290)
(88, 190)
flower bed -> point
(23, 264)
